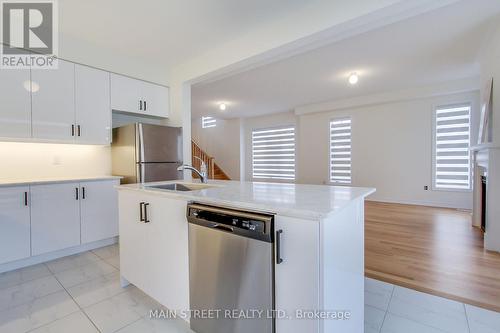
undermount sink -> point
(180, 187)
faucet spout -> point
(202, 173)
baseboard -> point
(10, 266)
(420, 203)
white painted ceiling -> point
(164, 32)
(431, 48)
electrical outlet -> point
(426, 188)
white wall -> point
(490, 68)
(392, 148)
(42, 160)
(222, 142)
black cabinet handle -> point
(140, 105)
(145, 106)
(141, 208)
(76, 193)
(79, 130)
(72, 130)
(146, 220)
(26, 198)
(83, 192)
(279, 260)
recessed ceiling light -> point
(353, 78)
(222, 106)
(31, 86)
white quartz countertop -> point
(39, 181)
(294, 200)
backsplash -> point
(43, 160)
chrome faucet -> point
(202, 173)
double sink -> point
(183, 187)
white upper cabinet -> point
(125, 94)
(14, 223)
(15, 112)
(139, 97)
(92, 103)
(99, 210)
(53, 105)
(73, 103)
(55, 217)
(155, 99)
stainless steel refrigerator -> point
(143, 153)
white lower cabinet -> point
(98, 210)
(55, 217)
(14, 223)
(297, 276)
(154, 246)
(39, 219)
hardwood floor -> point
(433, 250)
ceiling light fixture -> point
(353, 78)
(31, 86)
(222, 106)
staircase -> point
(213, 170)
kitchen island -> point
(318, 285)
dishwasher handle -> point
(222, 227)
(279, 260)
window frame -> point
(434, 142)
(277, 180)
(210, 119)
(330, 181)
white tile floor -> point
(82, 294)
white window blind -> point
(207, 122)
(340, 150)
(273, 153)
(451, 148)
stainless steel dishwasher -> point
(231, 270)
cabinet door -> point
(53, 108)
(168, 238)
(92, 104)
(14, 224)
(55, 217)
(135, 259)
(300, 253)
(125, 94)
(154, 254)
(15, 113)
(156, 99)
(99, 210)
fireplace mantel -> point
(486, 158)
(485, 146)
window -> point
(273, 153)
(451, 148)
(340, 151)
(207, 122)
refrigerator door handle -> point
(141, 143)
(142, 173)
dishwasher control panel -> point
(254, 225)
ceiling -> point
(430, 48)
(164, 32)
